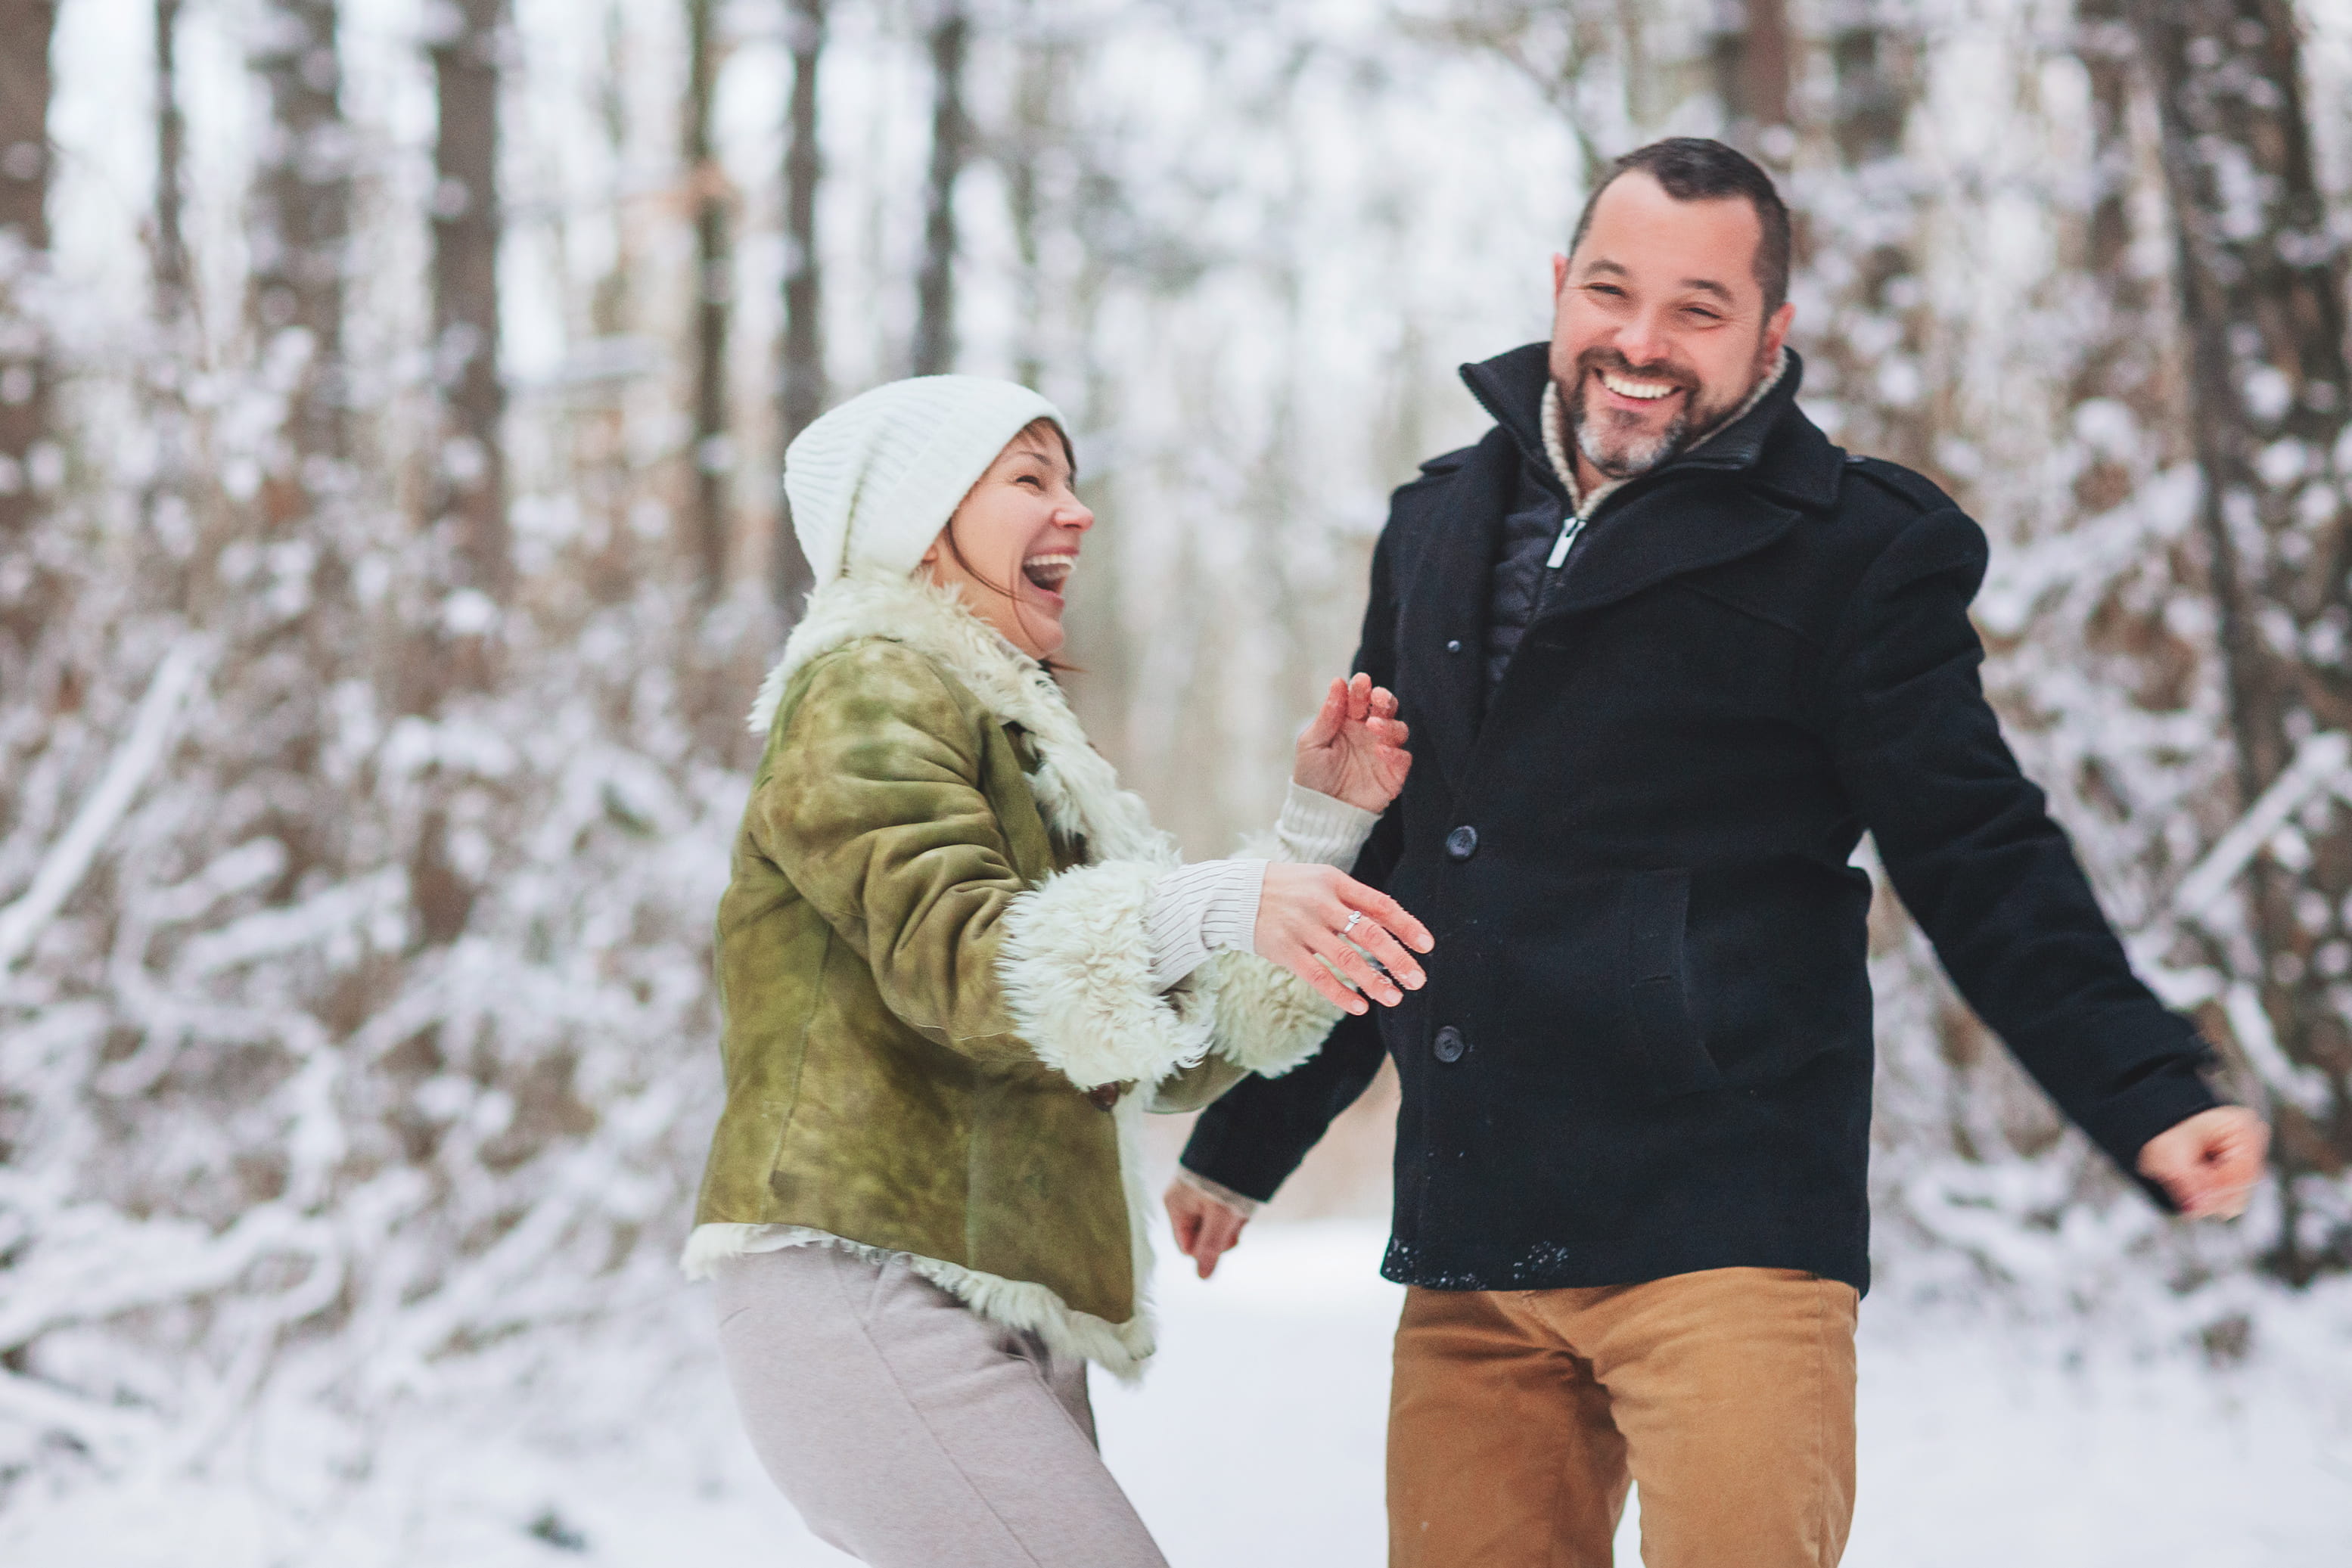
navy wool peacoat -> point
(1645, 1045)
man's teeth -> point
(1647, 391)
(1049, 571)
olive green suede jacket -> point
(940, 1027)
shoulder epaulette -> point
(1915, 487)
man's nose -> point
(1643, 339)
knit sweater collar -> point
(1563, 463)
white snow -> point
(324, 1244)
(1256, 1440)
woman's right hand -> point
(1304, 915)
(1354, 747)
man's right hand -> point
(1205, 1229)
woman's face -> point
(1012, 543)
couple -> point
(1667, 653)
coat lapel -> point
(1439, 691)
(1737, 493)
(1697, 522)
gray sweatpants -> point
(909, 1430)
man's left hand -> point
(2208, 1165)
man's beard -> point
(1623, 454)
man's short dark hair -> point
(1695, 169)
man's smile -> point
(1639, 391)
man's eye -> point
(1700, 313)
(1608, 289)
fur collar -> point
(1076, 786)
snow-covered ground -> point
(1256, 1440)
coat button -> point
(1462, 842)
(1449, 1045)
(1453, 644)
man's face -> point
(1658, 329)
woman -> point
(957, 963)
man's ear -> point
(1559, 273)
(1775, 329)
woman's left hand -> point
(1354, 750)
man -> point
(1667, 653)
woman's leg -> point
(909, 1430)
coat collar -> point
(1772, 446)
(1076, 789)
(1738, 491)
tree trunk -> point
(2261, 284)
(950, 38)
(469, 467)
(1753, 60)
(802, 386)
(301, 233)
(714, 266)
(27, 456)
(2121, 365)
(1036, 127)
(1871, 352)
(170, 266)
(163, 499)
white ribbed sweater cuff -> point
(1200, 909)
(1211, 906)
(1246, 1206)
(1318, 830)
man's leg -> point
(1734, 1389)
(1500, 1450)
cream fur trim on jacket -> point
(1075, 959)
(1120, 1349)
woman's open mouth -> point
(1049, 572)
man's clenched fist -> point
(2209, 1164)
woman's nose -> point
(1077, 515)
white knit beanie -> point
(872, 482)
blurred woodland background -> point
(391, 399)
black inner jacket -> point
(1645, 1045)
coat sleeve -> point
(871, 804)
(1253, 1138)
(1971, 849)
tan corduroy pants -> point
(1518, 1418)
(911, 1431)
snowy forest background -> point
(392, 394)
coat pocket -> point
(1673, 1057)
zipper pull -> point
(1568, 532)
